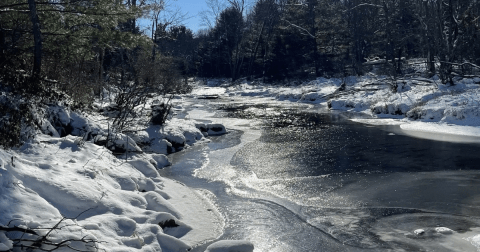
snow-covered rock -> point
(160, 160)
(144, 167)
(419, 231)
(443, 230)
(183, 130)
(120, 143)
(161, 146)
(230, 246)
(60, 119)
(215, 129)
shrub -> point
(16, 122)
(139, 77)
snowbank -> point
(442, 128)
(418, 104)
(117, 204)
(100, 190)
(230, 246)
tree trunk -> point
(252, 59)
(37, 37)
(133, 24)
(313, 32)
(100, 80)
(154, 37)
(390, 48)
(2, 47)
(430, 39)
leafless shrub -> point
(138, 78)
(29, 239)
(15, 117)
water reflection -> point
(324, 144)
(352, 179)
(318, 182)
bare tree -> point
(163, 14)
(37, 37)
(210, 16)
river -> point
(297, 177)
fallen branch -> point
(43, 243)
(461, 64)
(17, 229)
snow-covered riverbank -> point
(120, 203)
(416, 104)
(70, 193)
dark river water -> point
(314, 181)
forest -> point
(83, 41)
(51, 48)
(296, 39)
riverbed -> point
(298, 177)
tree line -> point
(79, 46)
(69, 52)
(282, 39)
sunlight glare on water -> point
(305, 180)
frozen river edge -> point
(118, 202)
(229, 94)
(94, 198)
(415, 104)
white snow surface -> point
(230, 246)
(5, 243)
(475, 240)
(417, 104)
(116, 202)
(99, 200)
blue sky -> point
(192, 7)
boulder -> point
(215, 129)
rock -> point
(118, 143)
(161, 161)
(59, 118)
(201, 126)
(111, 110)
(208, 97)
(161, 146)
(160, 113)
(177, 141)
(419, 231)
(230, 246)
(215, 129)
(443, 230)
(168, 224)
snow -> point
(122, 201)
(97, 199)
(475, 240)
(215, 129)
(442, 128)
(443, 230)
(417, 104)
(5, 243)
(160, 161)
(119, 202)
(230, 246)
(419, 231)
(378, 121)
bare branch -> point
(364, 4)
(298, 27)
